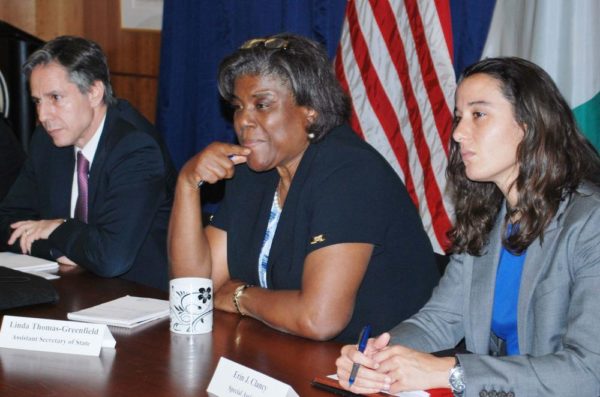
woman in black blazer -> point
(317, 235)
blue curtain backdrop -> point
(470, 24)
(197, 34)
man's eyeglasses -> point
(272, 43)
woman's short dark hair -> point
(83, 59)
(554, 158)
(300, 63)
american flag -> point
(395, 61)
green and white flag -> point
(561, 36)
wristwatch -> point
(456, 380)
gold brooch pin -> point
(318, 239)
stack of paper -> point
(128, 312)
(26, 263)
(330, 384)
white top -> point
(263, 257)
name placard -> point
(234, 380)
(55, 336)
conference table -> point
(150, 360)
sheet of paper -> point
(416, 393)
(26, 263)
(127, 311)
(47, 276)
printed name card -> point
(55, 336)
(232, 380)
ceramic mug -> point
(191, 305)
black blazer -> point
(131, 186)
(343, 191)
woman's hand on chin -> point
(217, 161)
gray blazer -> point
(558, 311)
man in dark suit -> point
(97, 187)
(11, 157)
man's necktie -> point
(81, 207)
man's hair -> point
(302, 65)
(554, 158)
(83, 59)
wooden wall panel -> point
(133, 55)
(129, 51)
(59, 17)
(140, 91)
(44, 18)
(19, 13)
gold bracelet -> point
(237, 295)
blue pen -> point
(362, 344)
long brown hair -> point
(554, 159)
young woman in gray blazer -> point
(523, 285)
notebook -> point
(26, 263)
(127, 311)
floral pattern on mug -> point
(190, 310)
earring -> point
(311, 135)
